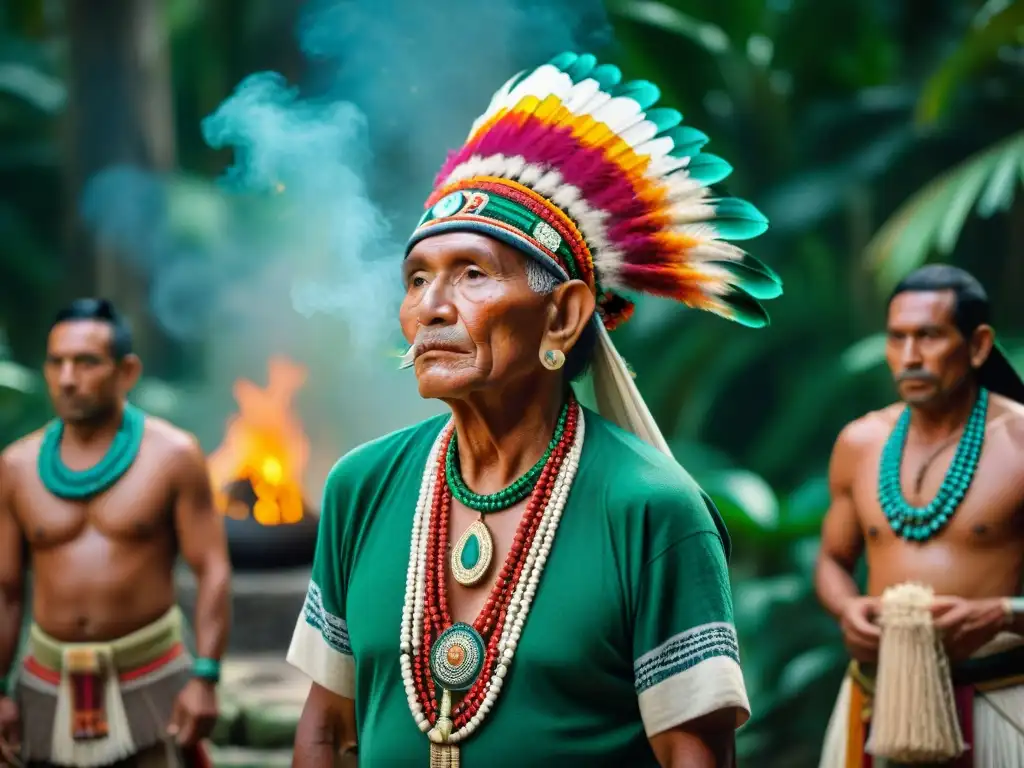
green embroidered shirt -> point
(630, 633)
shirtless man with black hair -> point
(99, 504)
(894, 480)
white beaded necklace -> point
(522, 595)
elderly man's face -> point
(471, 314)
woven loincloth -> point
(88, 705)
(989, 692)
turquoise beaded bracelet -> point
(207, 669)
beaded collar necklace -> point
(922, 523)
(471, 555)
(439, 656)
(78, 485)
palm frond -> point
(659, 15)
(997, 24)
(932, 219)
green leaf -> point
(980, 47)
(33, 86)
(710, 37)
(805, 508)
(745, 500)
(864, 355)
(933, 217)
(18, 378)
(807, 669)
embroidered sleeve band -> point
(320, 647)
(333, 628)
(690, 675)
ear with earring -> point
(552, 359)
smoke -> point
(296, 249)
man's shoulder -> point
(368, 460)
(1011, 414)
(168, 436)
(23, 453)
(639, 481)
(869, 430)
(171, 443)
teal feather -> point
(664, 118)
(607, 76)
(752, 281)
(744, 309)
(644, 93)
(750, 262)
(688, 141)
(737, 219)
(708, 169)
(582, 67)
(564, 60)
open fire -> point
(257, 472)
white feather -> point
(592, 105)
(582, 94)
(531, 174)
(548, 184)
(691, 212)
(666, 164)
(542, 82)
(656, 147)
(679, 187)
(640, 134)
(514, 166)
(618, 114)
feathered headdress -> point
(583, 172)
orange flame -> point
(264, 444)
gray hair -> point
(539, 279)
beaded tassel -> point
(444, 756)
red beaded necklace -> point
(491, 620)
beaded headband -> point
(576, 169)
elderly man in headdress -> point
(524, 581)
(931, 490)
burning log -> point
(256, 474)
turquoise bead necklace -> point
(67, 483)
(506, 497)
(471, 556)
(922, 523)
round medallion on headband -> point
(546, 235)
(448, 206)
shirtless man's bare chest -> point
(102, 567)
(980, 552)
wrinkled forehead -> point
(80, 337)
(920, 309)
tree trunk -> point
(120, 112)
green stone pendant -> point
(471, 556)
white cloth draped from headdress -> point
(617, 397)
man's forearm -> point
(834, 585)
(11, 613)
(213, 609)
(318, 745)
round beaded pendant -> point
(457, 657)
(922, 523)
